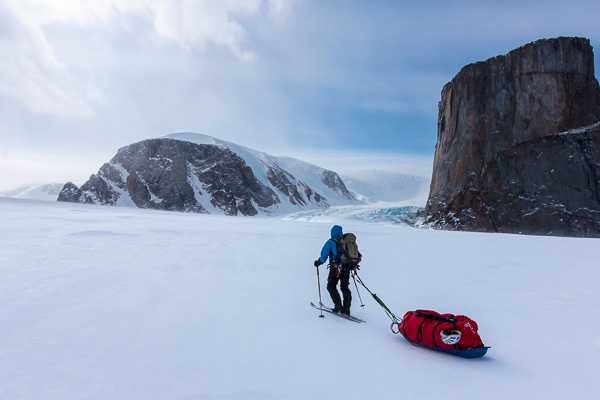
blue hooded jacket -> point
(330, 247)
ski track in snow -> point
(123, 303)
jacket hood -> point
(336, 232)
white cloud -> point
(30, 73)
(34, 75)
(199, 23)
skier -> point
(338, 271)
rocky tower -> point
(518, 145)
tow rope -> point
(395, 320)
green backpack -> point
(348, 249)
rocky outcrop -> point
(170, 174)
(518, 144)
(70, 192)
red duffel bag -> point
(440, 331)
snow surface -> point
(124, 303)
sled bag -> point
(440, 331)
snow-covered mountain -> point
(199, 173)
(44, 192)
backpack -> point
(348, 249)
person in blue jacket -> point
(337, 272)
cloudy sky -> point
(338, 82)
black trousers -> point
(340, 274)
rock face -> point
(334, 181)
(169, 174)
(518, 146)
(297, 192)
(70, 192)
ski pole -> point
(357, 291)
(390, 314)
(319, 286)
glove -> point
(317, 263)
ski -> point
(344, 316)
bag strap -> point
(425, 314)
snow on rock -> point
(200, 191)
(584, 129)
(125, 303)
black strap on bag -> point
(425, 314)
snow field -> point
(122, 303)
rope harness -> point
(395, 320)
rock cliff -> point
(518, 144)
